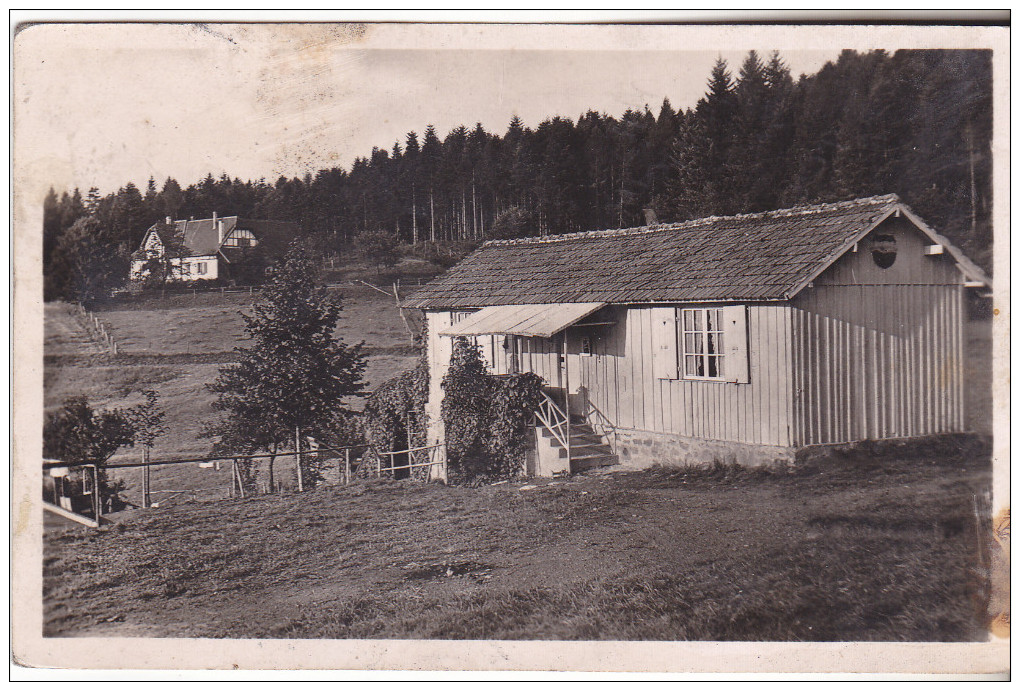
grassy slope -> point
(208, 322)
(875, 546)
(149, 332)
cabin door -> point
(578, 370)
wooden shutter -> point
(664, 343)
(735, 343)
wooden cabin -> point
(744, 338)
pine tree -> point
(171, 199)
(715, 115)
(750, 164)
(431, 151)
(692, 192)
(92, 200)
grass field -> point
(877, 544)
(208, 322)
(176, 346)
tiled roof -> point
(201, 236)
(761, 256)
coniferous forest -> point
(914, 122)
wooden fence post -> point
(146, 485)
(297, 459)
(96, 502)
(240, 481)
(347, 466)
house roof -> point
(751, 257)
(202, 237)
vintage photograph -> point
(511, 333)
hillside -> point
(873, 545)
(175, 346)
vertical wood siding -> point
(619, 379)
(877, 362)
(878, 352)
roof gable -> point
(762, 256)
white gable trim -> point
(968, 267)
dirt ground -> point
(875, 544)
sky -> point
(104, 104)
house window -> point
(585, 345)
(455, 317)
(186, 268)
(703, 349)
(241, 238)
(202, 268)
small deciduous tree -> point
(147, 420)
(78, 434)
(296, 376)
(94, 260)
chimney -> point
(650, 218)
(169, 220)
(219, 228)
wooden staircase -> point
(567, 447)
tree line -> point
(914, 122)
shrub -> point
(514, 222)
(78, 434)
(486, 418)
(514, 401)
(394, 415)
(377, 248)
(467, 389)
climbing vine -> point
(486, 418)
(394, 415)
(394, 418)
(514, 401)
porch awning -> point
(522, 320)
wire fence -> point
(96, 328)
(70, 489)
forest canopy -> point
(913, 122)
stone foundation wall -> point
(640, 449)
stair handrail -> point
(554, 419)
(601, 424)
